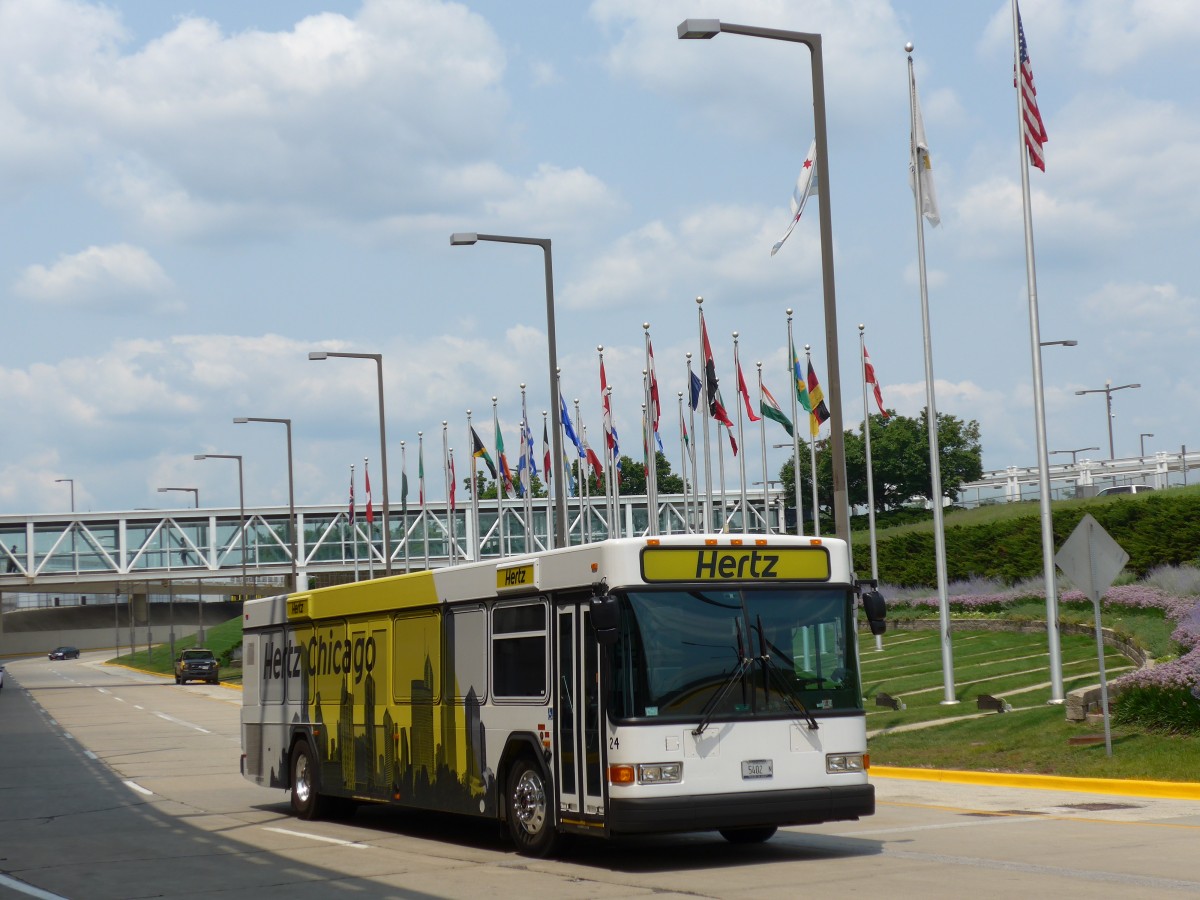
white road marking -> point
(134, 786)
(317, 837)
(90, 755)
(28, 889)
(163, 715)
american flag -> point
(1034, 130)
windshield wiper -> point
(710, 708)
(771, 671)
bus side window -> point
(520, 640)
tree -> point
(900, 459)
(633, 476)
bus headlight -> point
(840, 763)
(660, 773)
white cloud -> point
(118, 277)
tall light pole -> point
(74, 553)
(241, 509)
(1107, 391)
(462, 239)
(378, 357)
(1060, 343)
(292, 524)
(1142, 441)
(1075, 451)
(709, 28)
(194, 491)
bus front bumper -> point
(801, 806)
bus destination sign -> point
(761, 563)
(518, 577)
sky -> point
(195, 195)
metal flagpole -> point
(452, 509)
(609, 443)
(683, 468)
(709, 525)
(794, 380)
(935, 469)
(1049, 574)
(697, 517)
(446, 480)
(617, 528)
(525, 474)
(745, 506)
(862, 349)
(585, 488)
(549, 473)
(424, 502)
(370, 528)
(651, 431)
(762, 439)
(812, 450)
(353, 526)
(477, 539)
(501, 490)
(404, 502)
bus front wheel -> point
(530, 818)
(307, 802)
(749, 835)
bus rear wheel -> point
(530, 818)
(307, 802)
(749, 835)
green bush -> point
(1173, 710)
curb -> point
(1169, 790)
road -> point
(115, 784)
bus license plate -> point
(757, 768)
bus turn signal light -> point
(620, 775)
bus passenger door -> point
(578, 727)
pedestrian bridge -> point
(238, 556)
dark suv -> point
(196, 664)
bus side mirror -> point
(876, 609)
(606, 616)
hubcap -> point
(301, 786)
(529, 802)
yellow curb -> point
(1171, 790)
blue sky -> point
(195, 195)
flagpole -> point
(474, 534)
(1049, 574)
(585, 489)
(525, 474)
(446, 479)
(935, 468)
(794, 380)
(708, 485)
(697, 523)
(745, 506)
(862, 350)
(353, 523)
(421, 483)
(404, 502)
(452, 509)
(812, 448)
(683, 468)
(370, 528)
(609, 445)
(647, 463)
(618, 527)
(550, 474)
(762, 440)
(651, 431)
(501, 489)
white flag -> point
(922, 164)
(806, 185)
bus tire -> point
(530, 813)
(307, 801)
(756, 835)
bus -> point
(630, 686)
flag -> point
(921, 163)
(546, 451)
(819, 412)
(480, 452)
(610, 433)
(593, 461)
(806, 185)
(452, 480)
(745, 394)
(526, 467)
(871, 379)
(732, 441)
(770, 408)
(403, 491)
(352, 495)
(695, 387)
(687, 442)
(798, 381)
(421, 474)
(655, 410)
(370, 507)
(568, 428)
(1031, 118)
(716, 406)
(506, 481)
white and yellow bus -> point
(681, 683)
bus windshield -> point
(783, 649)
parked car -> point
(64, 653)
(1124, 489)
(196, 664)
(1, 677)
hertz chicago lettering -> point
(755, 564)
(326, 656)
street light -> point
(1107, 391)
(1073, 452)
(74, 552)
(1142, 441)
(378, 357)
(1059, 343)
(709, 28)
(195, 491)
(241, 507)
(292, 524)
(71, 482)
(466, 238)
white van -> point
(1124, 489)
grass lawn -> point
(220, 639)
(1034, 737)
